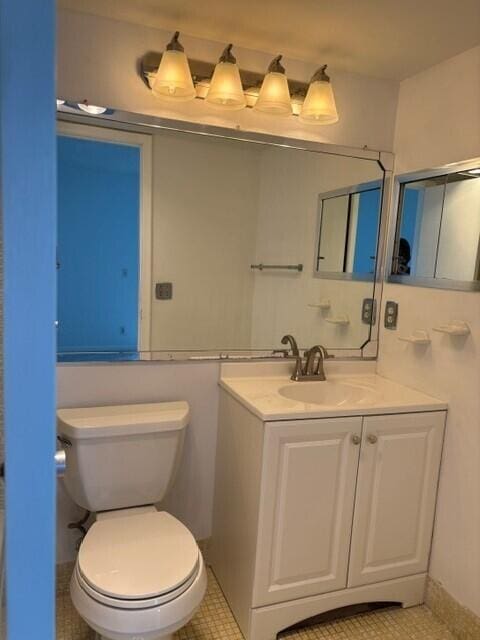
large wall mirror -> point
(437, 239)
(173, 242)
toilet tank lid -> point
(121, 420)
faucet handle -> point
(280, 352)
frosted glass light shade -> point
(173, 80)
(226, 87)
(274, 97)
(319, 106)
(91, 108)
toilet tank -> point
(121, 456)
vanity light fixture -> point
(92, 109)
(319, 106)
(173, 80)
(172, 76)
(226, 85)
(274, 96)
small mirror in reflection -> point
(348, 230)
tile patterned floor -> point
(214, 621)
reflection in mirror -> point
(161, 233)
(438, 230)
(100, 220)
(348, 232)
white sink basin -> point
(326, 393)
(269, 393)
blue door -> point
(98, 185)
(369, 205)
(28, 207)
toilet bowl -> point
(139, 575)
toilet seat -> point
(147, 603)
(137, 560)
(120, 623)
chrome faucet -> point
(314, 363)
(313, 368)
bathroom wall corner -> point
(462, 622)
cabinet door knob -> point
(372, 438)
(356, 439)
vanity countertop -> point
(343, 394)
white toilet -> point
(139, 574)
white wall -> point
(438, 122)
(438, 114)
(430, 203)
(205, 200)
(98, 57)
(459, 245)
(335, 225)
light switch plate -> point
(163, 291)
(369, 311)
(391, 314)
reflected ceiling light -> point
(274, 96)
(319, 105)
(92, 109)
(226, 85)
(474, 172)
(173, 79)
(60, 102)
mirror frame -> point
(125, 120)
(418, 281)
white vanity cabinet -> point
(315, 514)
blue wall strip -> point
(367, 231)
(28, 205)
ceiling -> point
(391, 39)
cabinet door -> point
(396, 494)
(306, 508)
